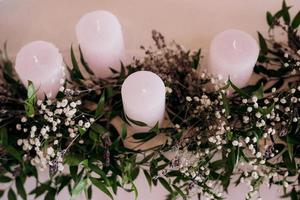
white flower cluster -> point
(61, 120)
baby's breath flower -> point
(235, 143)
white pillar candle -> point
(143, 96)
(100, 37)
(41, 63)
(233, 53)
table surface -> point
(191, 23)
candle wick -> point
(234, 44)
(98, 25)
(144, 90)
(35, 59)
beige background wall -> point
(192, 23)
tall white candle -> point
(143, 96)
(233, 53)
(100, 37)
(41, 63)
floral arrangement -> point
(218, 134)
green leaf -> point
(179, 191)
(134, 189)
(73, 159)
(270, 19)
(196, 59)
(267, 110)
(89, 193)
(75, 71)
(138, 123)
(290, 147)
(155, 128)
(296, 21)
(285, 13)
(98, 128)
(294, 194)
(20, 188)
(1, 193)
(225, 104)
(238, 90)
(50, 194)
(260, 92)
(289, 163)
(84, 63)
(124, 131)
(149, 180)
(73, 172)
(13, 152)
(100, 107)
(218, 164)
(97, 170)
(11, 195)
(3, 136)
(31, 99)
(165, 184)
(5, 179)
(41, 189)
(82, 130)
(144, 136)
(101, 186)
(79, 188)
(263, 44)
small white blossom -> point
(23, 119)
(39, 102)
(64, 103)
(78, 102)
(73, 105)
(72, 135)
(87, 125)
(285, 184)
(61, 89)
(235, 143)
(258, 155)
(295, 119)
(188, 98)
(249, 109)
(19, 142)
(80, 123)
(247, 140)
(18, 127)
(254, 99)
(92, 120)
(169, 90)
(258, 115)
(50, 150)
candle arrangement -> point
(251, 135)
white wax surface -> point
(143, 96)
(41, 63)
(100, 37)
(233, 53)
